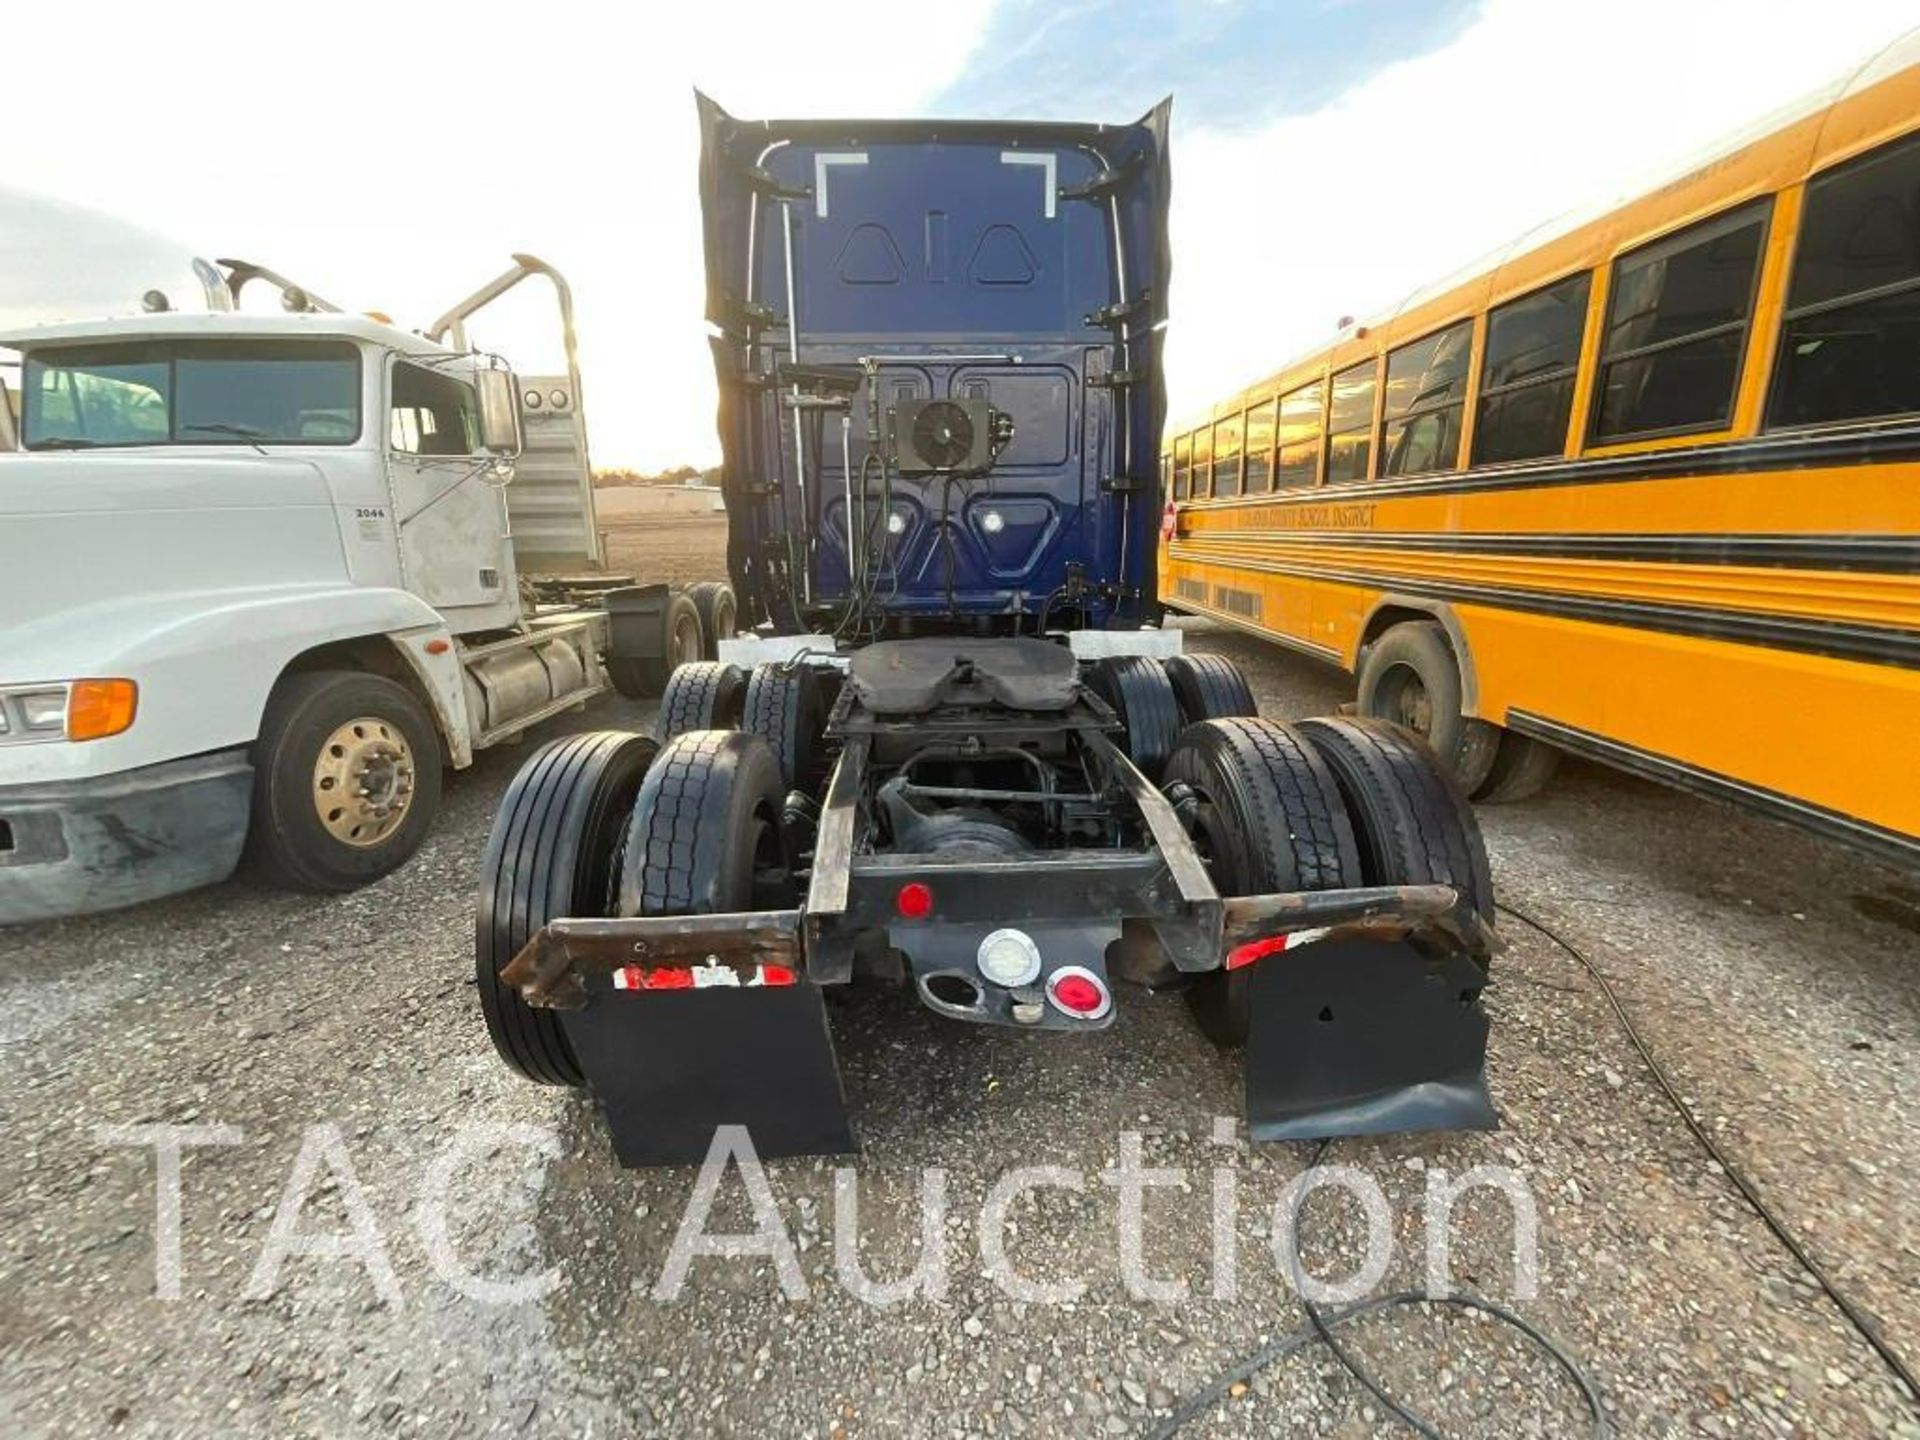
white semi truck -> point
(263, 575)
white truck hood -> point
(157, 568)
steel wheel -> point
(363, 781)
(1404, 700)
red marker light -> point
(777, 975)
(1079, 992)
(915, 901)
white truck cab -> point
(257, 584)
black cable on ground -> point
(1202, 1401)
(1869, 1331)
(1322, 1323)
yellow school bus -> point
(1645, 487)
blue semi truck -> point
(952, 750)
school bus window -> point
(1350, 424)
(1300, 417)
(1425, 398)
(1851, 346)
(1226, 456)
(1676, 327)
(1259, 448)
(1526, 384)
(1202, 462)
(1182, 464)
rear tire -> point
(788, 709)
(1521, 767)
(1209, 687)
(1413, 822)
(551, 853)
(1411, 678)
(705, 834)
(718, 613)
(346, 781)
(705, 695)
(1142, 696)
(1266, 814)
(681, 643)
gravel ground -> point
(1774, 973)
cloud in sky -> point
(1435, 160)
(393, 155)
(1329, 155)
(1233, 64)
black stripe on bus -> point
(1878, 554)
(1883, 446)
(1876, 839)
(1843, 640)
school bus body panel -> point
(1732, 606)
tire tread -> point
(1414, 823)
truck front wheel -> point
(346, 781)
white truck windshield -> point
(231, 392)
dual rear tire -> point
(1157, 699)
(610, 823)
(1318, 805)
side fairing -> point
(1023, 265)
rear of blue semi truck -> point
(859, 271)
(954, 754)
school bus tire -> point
(1521, 767)
(1410, 677)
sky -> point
(1328, 155)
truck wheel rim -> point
(1405, 701)
(363, 781)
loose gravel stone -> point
(1771, 971)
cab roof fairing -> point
(740, 193)
(227, 325)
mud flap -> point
(669, 1066)
(1362, 1036)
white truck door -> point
(448, 508)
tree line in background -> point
(678, 475)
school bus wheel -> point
(1410, 677)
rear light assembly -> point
(1009, 958)
(1077, 991)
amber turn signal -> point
(98, 708)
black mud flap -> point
(1366, 1037)
(670, 1066)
